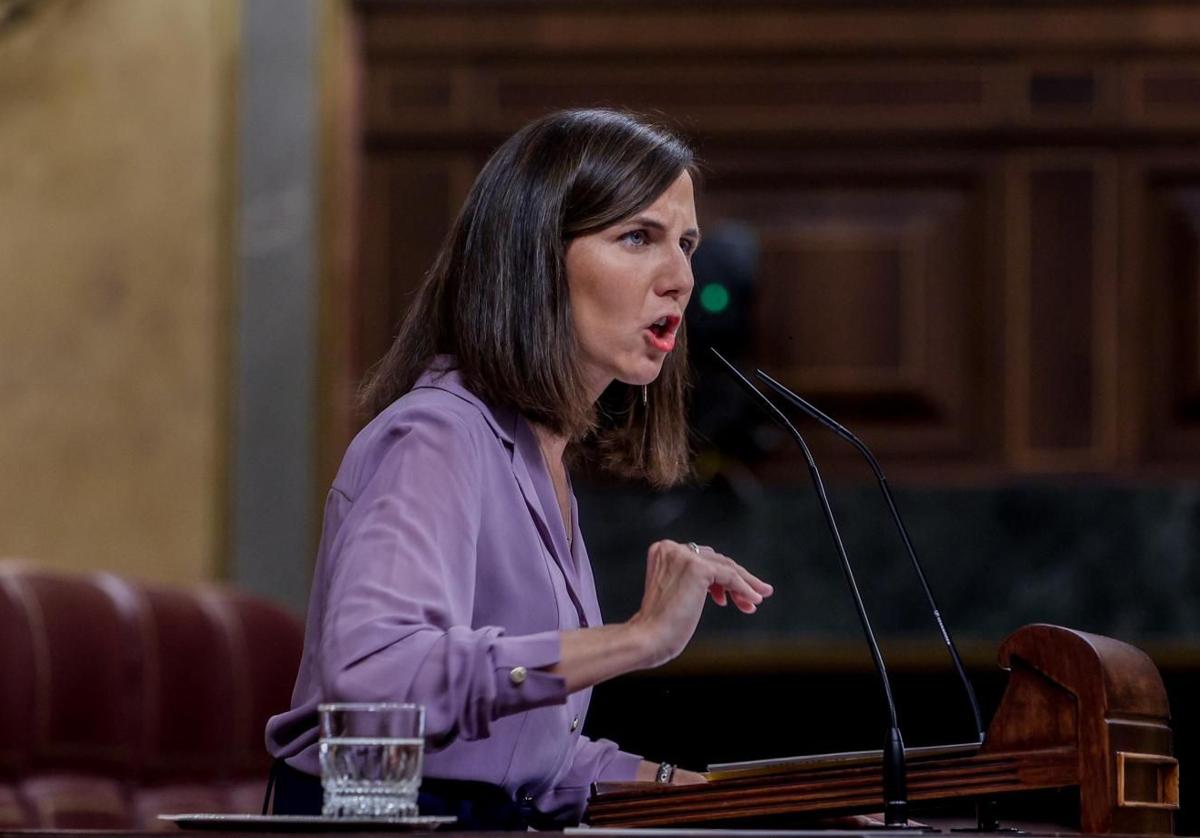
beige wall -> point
(116, 131)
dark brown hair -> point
(497, 298)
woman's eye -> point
(636, 237)
(688, 246)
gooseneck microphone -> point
(842, 431)
(895, 792)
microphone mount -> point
(846, 434)
(895, 791)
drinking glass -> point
(371, 759)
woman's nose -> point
(677, 280)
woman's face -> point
(629, 285)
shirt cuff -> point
(521, 680)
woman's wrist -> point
(647, 772)
(640, 640)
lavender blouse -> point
(444, 578)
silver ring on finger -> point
(694, 546)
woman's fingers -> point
(744, 605)
(722, 597)
(744, 596)
(764, 588)
(717, 593)
(731, 581)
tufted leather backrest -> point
(193, 690)
(121, 700)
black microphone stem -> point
(846, 434)
(895, 792)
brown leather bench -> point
(122, 700)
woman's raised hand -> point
(678, 579)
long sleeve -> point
(594, 760)
(401, 586)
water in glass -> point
(370, 777)
(371, 758)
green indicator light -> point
(714, 298)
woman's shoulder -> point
(434, 418)
(429, 412)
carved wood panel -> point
(1062, 312)
(976, 226)
(868, 277)
(1166, 265)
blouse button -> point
(574, 724)
(517, 674)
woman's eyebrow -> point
(655, 224)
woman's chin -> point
(641, 376)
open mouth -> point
(662, 332)
(665, 326)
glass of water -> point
(371, 759)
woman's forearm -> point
(592, 655)
(678, 580)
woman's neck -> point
(553, 445)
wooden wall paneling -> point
(1061, 312)
(1067, 93)
(409, 203)
(869, 280)
(610, 27)
(991, 328)
(759, 94)
(1132, 406)
(945, 180)
(1162, 94)
(370, 315)
(1166, 264)
(411, 99)
(1106, 224)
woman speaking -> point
(452, 572)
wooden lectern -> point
(1079, 711)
